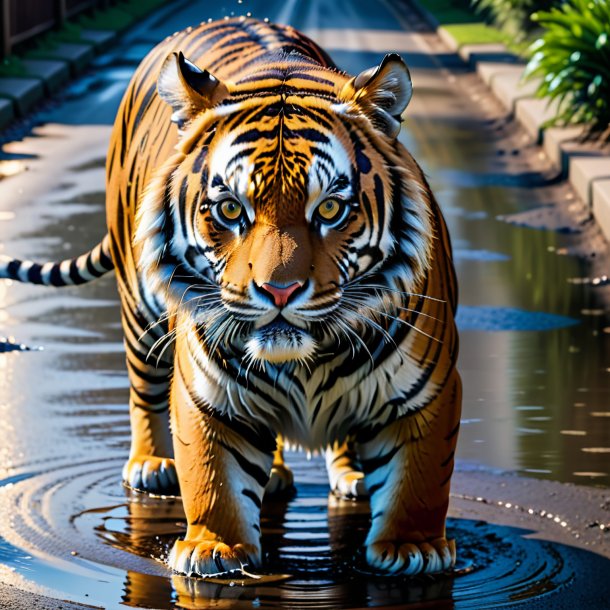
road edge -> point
(586, 169)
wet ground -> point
(535, 340)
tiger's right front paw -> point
(211, 558)
(155, 475)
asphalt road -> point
(534, 404)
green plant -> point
(573, 59)
(513, 16)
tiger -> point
(285, 276)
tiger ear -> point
(382, 93)
(187, 89)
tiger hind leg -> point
(408, 467)
(281, 479)
(344, 472)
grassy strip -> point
(116, 19)
(461, 21)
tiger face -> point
(290, 208)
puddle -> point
(101, 544)
(532, 313)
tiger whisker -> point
(372, 323)
(400, 320)
(362, 302)
(349, 330)
(358, 284)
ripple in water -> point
(111, 543)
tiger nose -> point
(281, 294)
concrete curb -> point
(587, 169)
(47, 71)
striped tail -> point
(69, 272)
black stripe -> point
(34, 275)
(144, 104)
(75, 275)
(373, 489)
(453, 432)
(152, 378)
(250, 468)
(447, 478)
(380, 197)
(252, 496)
(150, 408)
(55, 277)
(370, 465)
(151, 399)
(449, 458)
(308, 133)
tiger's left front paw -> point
(410, 558)
(211, 558)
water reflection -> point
(313, 559)
(530, 334)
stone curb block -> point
(7, 112)
(489, 52)
(509, 88)
(78, 55)
(24, 93)
(601, 205)
(101, 39)
(585, 172)
(532, 113)
(52, 73)
(52, 69)
(561, 143)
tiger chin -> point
(284, 273)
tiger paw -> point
(281, 480)
(155, 475)
(211, 558)
(408, 558)
(350, 485)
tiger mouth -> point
(280, 341)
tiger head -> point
(290, 213)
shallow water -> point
(535, 348)
(535, 359)
(110, 553)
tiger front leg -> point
(408, 468)
(222, 480)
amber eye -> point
(230, 210)
(331, 211)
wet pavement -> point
(535, 345)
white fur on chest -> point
(291, 403)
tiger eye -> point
(231, 210)
(330, 210)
